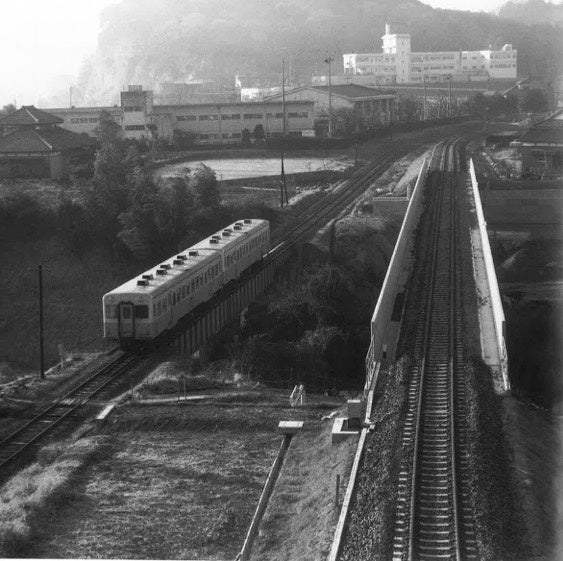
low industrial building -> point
(225, 123)
(206, 123)
(371, 107)
(541, 148)
(33, 145)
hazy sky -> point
(43, 39)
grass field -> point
(72, 295)
(173, 482)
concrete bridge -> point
(386, 320)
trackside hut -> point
(542, 148)
(32, 145)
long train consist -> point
(153, 302)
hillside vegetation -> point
(148, 42)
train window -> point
(111, 312)
(193, 285)
(159, 308)
(169, 298)
(141, 312)
(154, 310)
(183, 292)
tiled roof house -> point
(33, 145)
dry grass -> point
(35, 493)
(301, 517)
(72, 294)
(181, 482)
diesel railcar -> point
(154, 301)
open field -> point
(175, 482)
(257, 167)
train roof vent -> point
(143, 282)
(213, 240)
(226, 233)
(182, 257)
(238, 227)
(193, 253)
(238, 224)
(178, 262)
(166, 266)
(161, 272)
(148, 277)
(215, 237)
(248, 220)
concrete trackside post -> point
(289, 428)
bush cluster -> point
(316, 335)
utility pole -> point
(424, 103)
(283, 96)
(329, 61)
(283, 185)
(283, 182)
(41, 354)
(449, 77)
(70, 96)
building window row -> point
(134, 127)
(84, 120)
(132, 108)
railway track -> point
(20, 442)
(311, 218)
(433, 515)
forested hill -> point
(533, 11)
(148, 42)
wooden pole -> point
(41, 338)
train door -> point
(126, 320)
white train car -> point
(145, 306)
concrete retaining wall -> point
(382, 337)
(492, 292)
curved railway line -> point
(18, 445)
(20, 442)
(433, 516)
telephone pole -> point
(41, 353)
(283, 96)
(329, 60)
(424, 105)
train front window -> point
(111, 311)
(141, 312)
(126, 312)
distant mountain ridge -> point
(145, 42)
(532, 12)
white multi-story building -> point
(398, 65)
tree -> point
(535, 101)
(204, 184)
(245, 136)
(259, 134)
(140, 232)
(7, 109)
